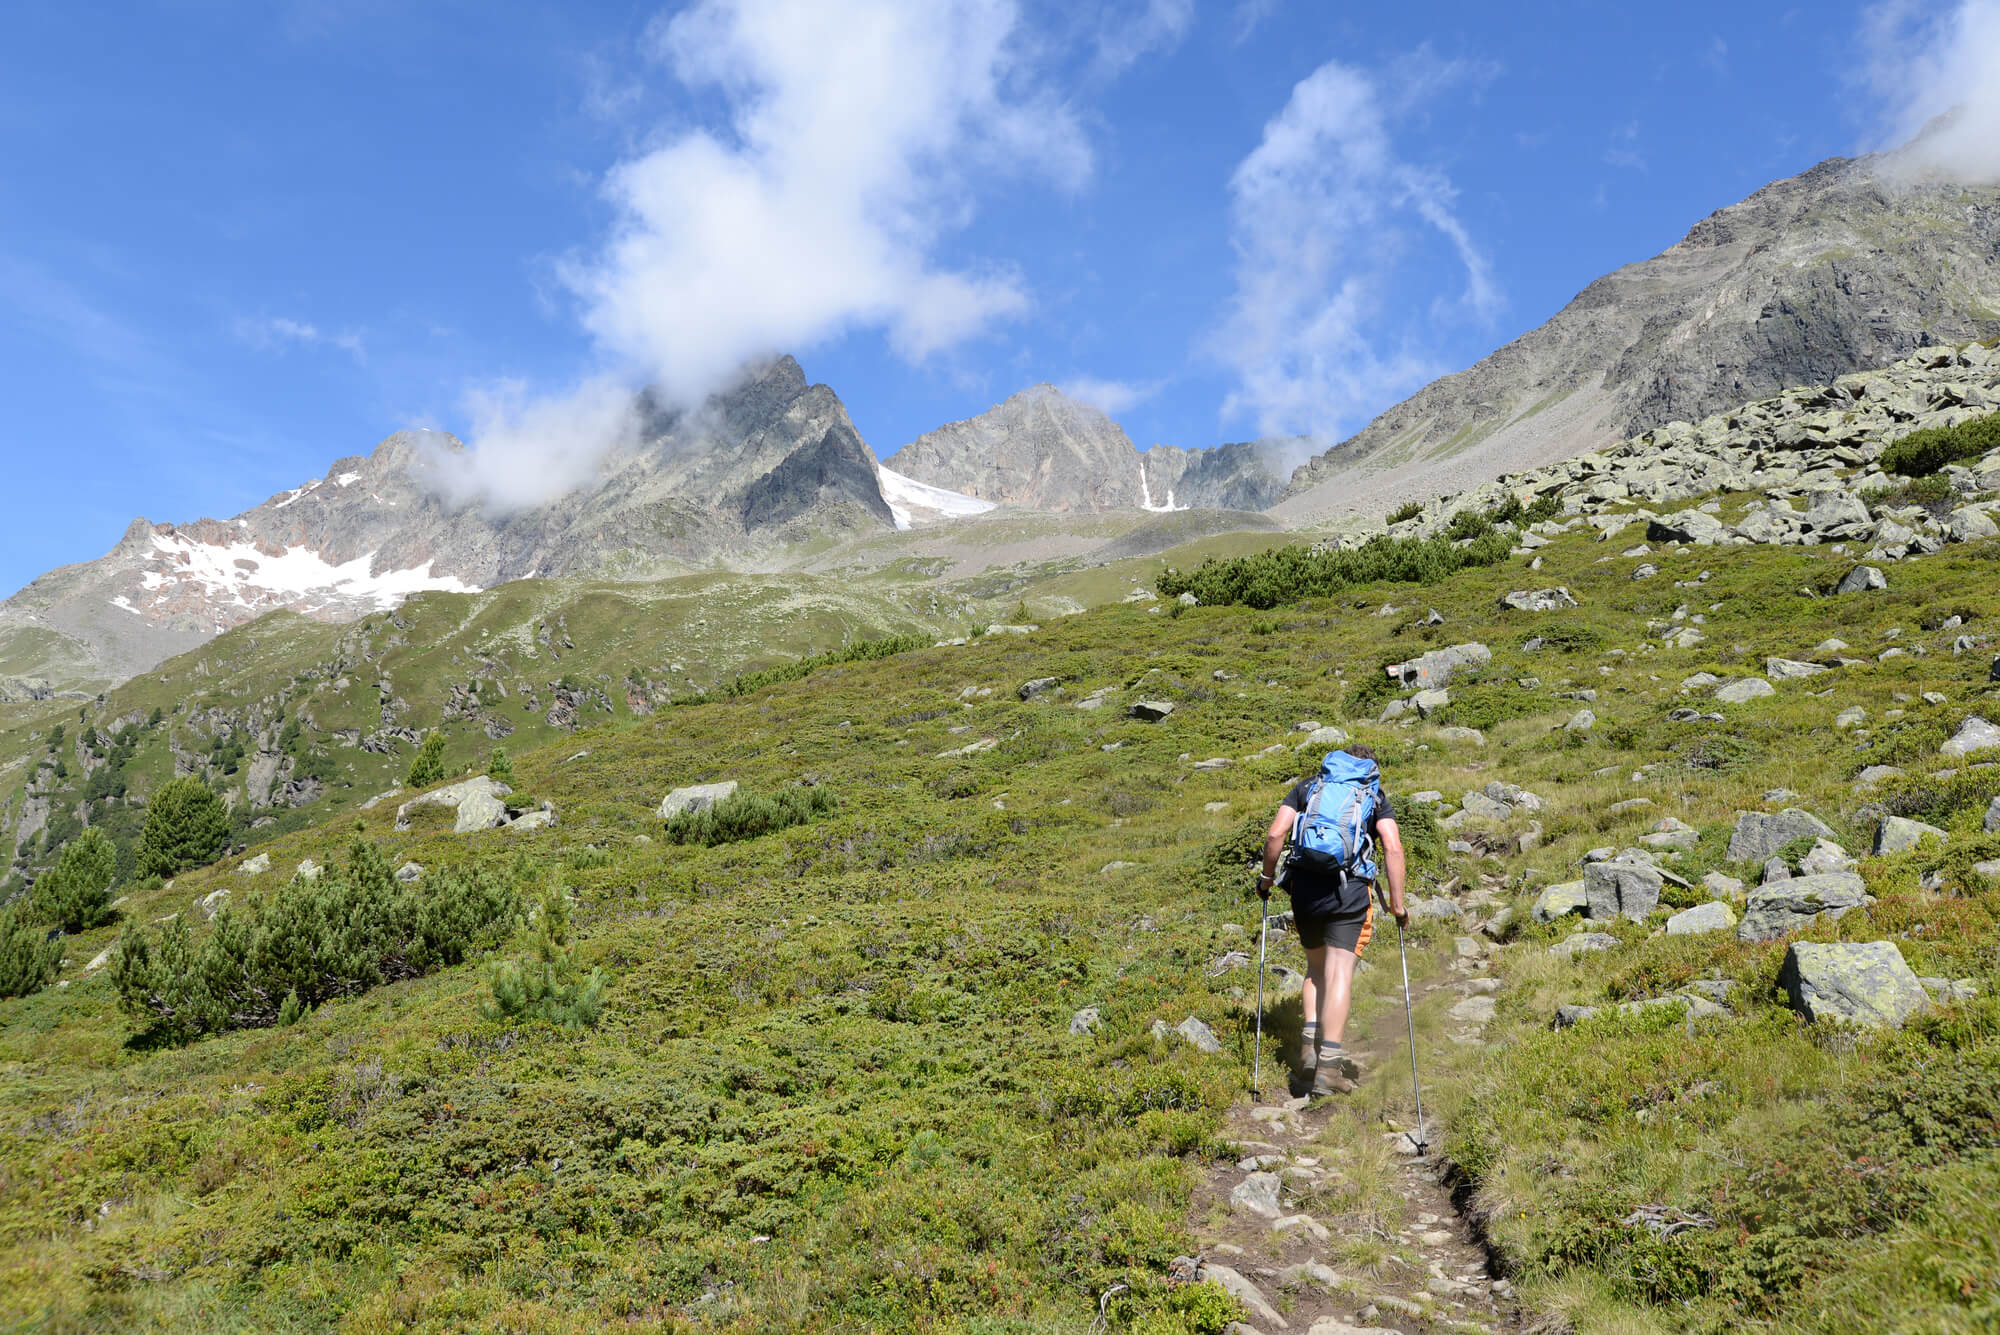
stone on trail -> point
(1975, 734)
(1309, 1274)
(1473, 1010)
(1862, 578)
(1786, 906)
(1900, 834)
(1790, 669)
(1150, 711)
(1257, 1194)
(1759, 834)
(1858, 982)
(1714, 916)
(1622, 889)
(1559, 901)
(1301, 1223)
(695, 797)
(1539, 600)
(1744, 691)
(1243, 1291)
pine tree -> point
(28, 956)
(186, 826)
(75, 894)
(500, 767)
(546, 984)
(428, 766)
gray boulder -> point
(1583, 720)
(1863, 578)
(1975, 734)
(1714, 916)
(1790, 669)
(1430, 702)
(1569, 947)
(1329, 738)
(1030, 689)
(1559, 901)
(1085, 1020)
(1759, 834)
(1539, 600)
(1900, 834)
(1244, 1292)
(1436, 669)
(1992, 822)
(409, 871)
(1689, 526)
(1744, 691)
(476, 802)
(1198, 1035)
(1727, 887)
(1854, 982)
(695, 797)
(1258, 1194)
(1622, 889)
(1824, 856)
(1837, 514)
(1480, 806)
(1786, 906)
(256, 866)
(1969, 522)
(1150, 711)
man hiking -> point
(1340, 817)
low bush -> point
(1925, 452)
(746, 815)
(546, 983)
(1288, 574)
(1405, 512)
(864, 651)
(334, 936)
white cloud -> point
(1251, 13)
(279, 332)
(529, 449)
(1111, 397)
(1927, 63)
(853, 138)
(1624, 151)
(1321, 213)
(1124, 38)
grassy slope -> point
(850, 1038)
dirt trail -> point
(1330, 1224)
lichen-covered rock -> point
(1150, 711)
(1744, 691)
(1786, 906)
(1759, 834)
(1559, 901)
(1862, 578)
(1714, 916)
(1539, 600)
(1622, 889)
(695, 797)
(1855, 982)
(476, 802)
(1975, 734)
(1900, 834)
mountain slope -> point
(1835, 270)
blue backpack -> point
(1333, 840)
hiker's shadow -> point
(1284, 1029)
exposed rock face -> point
(1043, 450)
(1811, 278)
(1860, 983)
(774, 460)
(1759, 834)
(1785, 906)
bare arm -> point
(1274, 846)
(1393, 869)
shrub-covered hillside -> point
(839, 1080)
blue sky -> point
(240, 240)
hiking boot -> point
(1328, 1080)
(1343, 1065)
(1308, 1053)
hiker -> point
(1341, 816)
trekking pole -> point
(1410, 1018)
(1257, 1064)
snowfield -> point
(240, 573)
(906, 495)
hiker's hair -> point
(1362, 751)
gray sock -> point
(1331, 1051)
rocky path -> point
(1332, 1223)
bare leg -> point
(1336, 992)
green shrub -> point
(500, 766)
(28, 954)
(1570, 637)
(1924, 452)
(746, 815)
(864, 651)
(334, 936)
(1288, 574)
(75, 894)
(186, 826)
(1408, 510)
(546, 984)
(1469, 524)
(1545, 507)
(427, 766)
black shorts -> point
(1338, 928)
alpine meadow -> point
(651, 857)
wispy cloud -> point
(1250, 14)
(1112, 397)
(277, 332)
(1126, 36)
(1716, 57)
(1322, 212)
(1931, 74)
(1624, 149)
(856, 137)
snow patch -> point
(124, 604)
(906, 495)
(347, 479)
(297, 572)
(1146, 496)
(295, 493)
